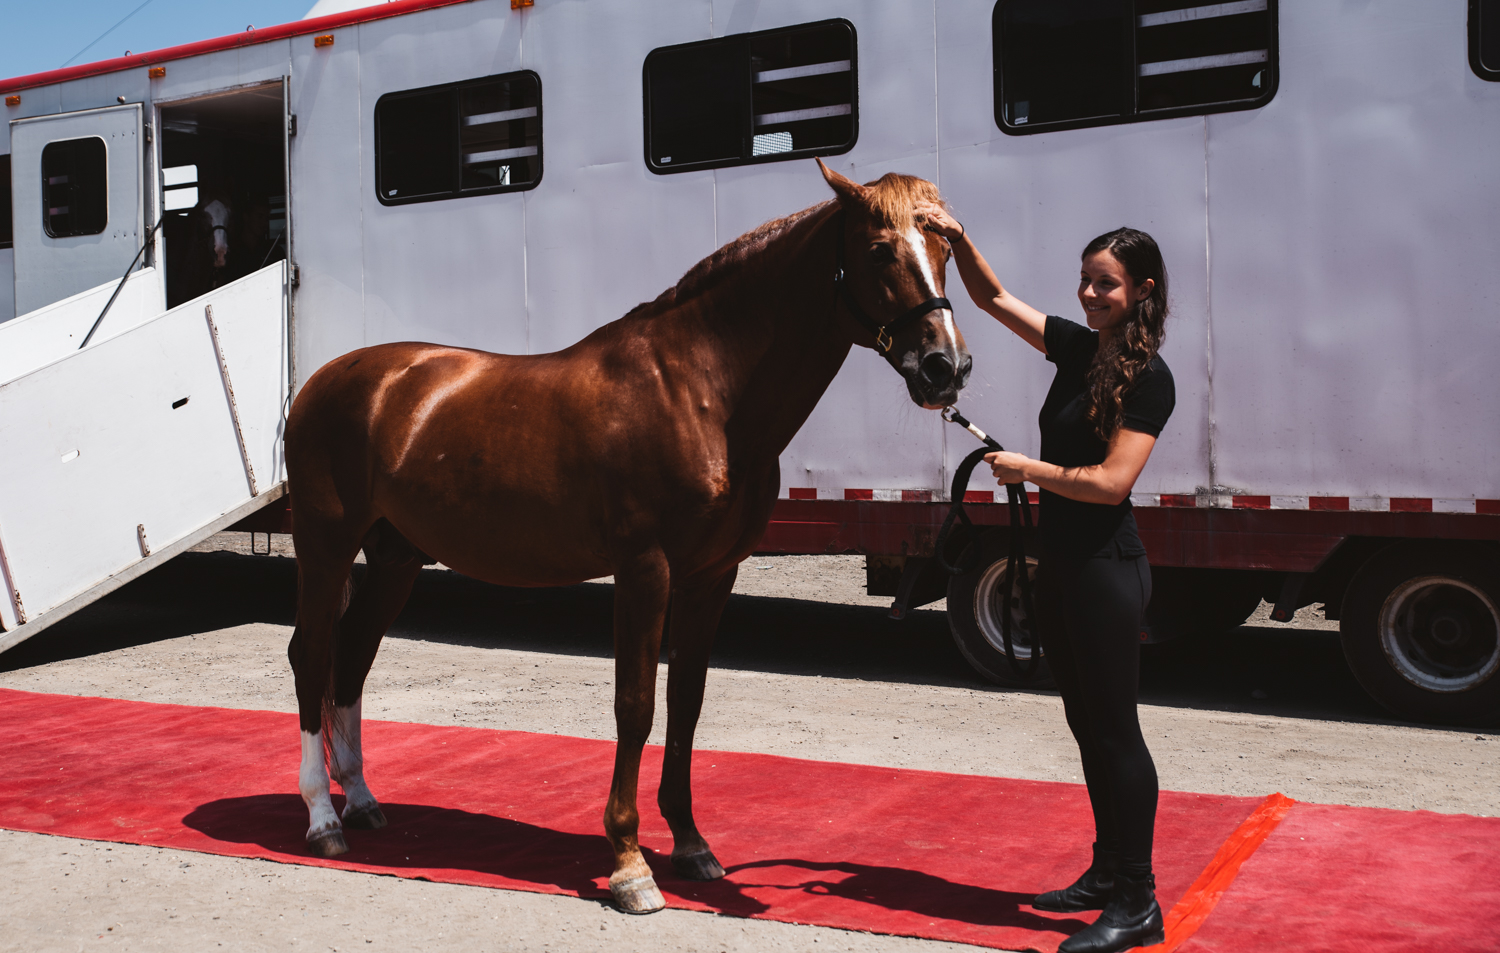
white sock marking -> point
(312, 781)
(348, 758)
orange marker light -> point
(325, 40)
(13, 100)
(518, 4)
(156, 72)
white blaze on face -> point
(918, 244)
(218, 217)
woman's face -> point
(1107, 292)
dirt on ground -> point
(805, 665)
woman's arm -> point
(1109, 482)
(1027, 322)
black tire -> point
(974, 604)
(1189, 602)
(1421, 630)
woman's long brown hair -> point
(1118, 365)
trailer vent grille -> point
(752, 97)
(1096, 62)
(471, 138)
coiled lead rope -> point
(1020, 524)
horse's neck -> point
(780, 342)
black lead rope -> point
(1020, 525)
(882, 332)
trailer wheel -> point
(975, 601)
(1421, 630)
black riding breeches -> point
(1089, 614)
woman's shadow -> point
(420, 837)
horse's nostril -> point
(964, 367)
(937, 370)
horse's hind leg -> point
(641, 593)
(392, 565)
(321, 592)
(696, 608)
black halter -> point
(882, 332)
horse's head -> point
(893, 277)
(217, 213)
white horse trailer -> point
(1321, 177)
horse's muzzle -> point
(936, 381)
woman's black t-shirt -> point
(1069, 527)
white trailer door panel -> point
(117, 452)
(78, 201)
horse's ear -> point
(848, 191)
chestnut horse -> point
(648, 450)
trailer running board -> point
(117, 457)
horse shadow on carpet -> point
(457, 846)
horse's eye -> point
(881, 253)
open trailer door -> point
(79, 201)
(167, 427)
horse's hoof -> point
(637, 895)
(700, 864)
(366, 819)
(327, 844)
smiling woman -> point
(1109, 401)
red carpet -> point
(918, 853)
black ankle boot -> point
(1089, 892)
(1131, 918)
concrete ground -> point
(805, 665)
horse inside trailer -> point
(224, 185)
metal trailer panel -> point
(95, 448)
(49, 268)
(1354, 231)
(53, 332)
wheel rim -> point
(990, 602)
(1440, 634)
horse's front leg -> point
(642, 587)
(696, 608)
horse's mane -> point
(893, 200)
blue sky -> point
(46, 34)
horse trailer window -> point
(1096, 62)
(1484, 39)
(752, 97)
(470, 138)
(7, 230)
(75, 196)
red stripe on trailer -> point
(916, 496)
(270, 34)
(1488, 507)
(803, 492)
(1251, 502)
(1178, 499)
(859, 494)
(1328, 502)
(979, 496)
(1410, 504)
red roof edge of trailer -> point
(381, 11)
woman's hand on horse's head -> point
(1008, 467)
(935, 218)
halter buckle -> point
(883, 340)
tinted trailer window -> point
(1065, 65)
